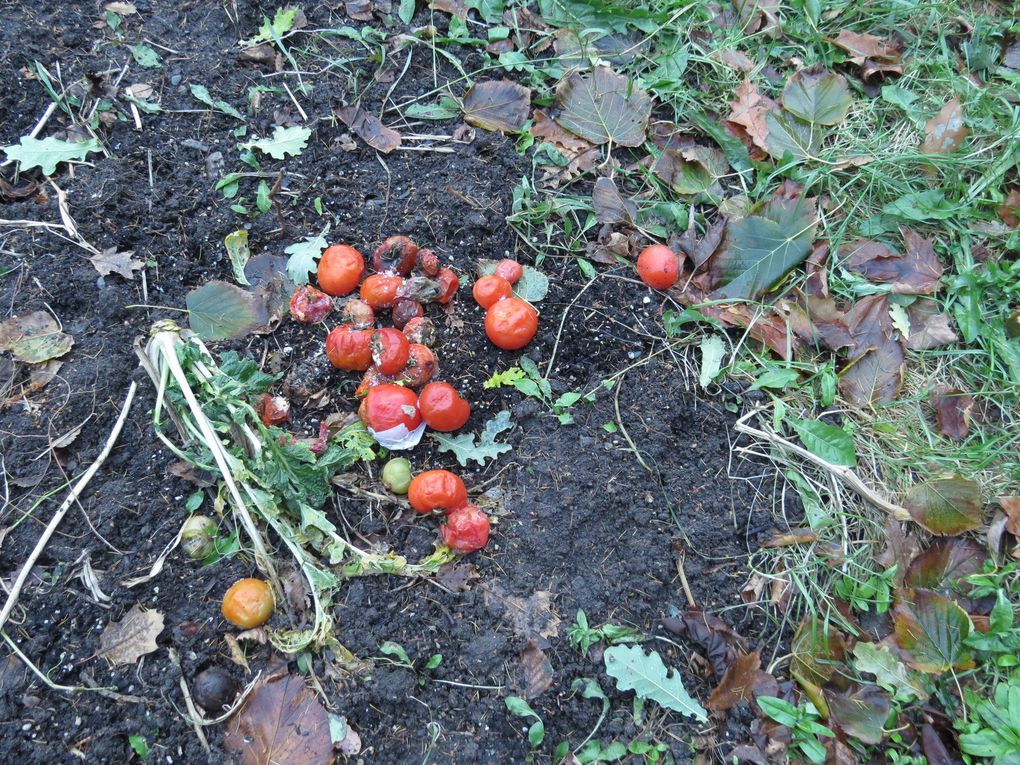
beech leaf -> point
(822, 98)
(946, 506)
(603, 106)
(743, 680)
(497, 105)
(952, 413)
(646, 675)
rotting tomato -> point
(388, 406)
(510, 270)
(448, 284)
(442, 407)
(466, 530)
(248, 603)
(371, 378)
(406, 310)
(421, 366)
(658, 267)
(349, 349)
(491, 289)
(421, 330)
(390, 350)
(358, 314)
(419, 288)
(428, 262)
(380, 290)
(272, 410)
(397, 253)
(511, 323)
(340, 269)
(309, 305)
(436, 490)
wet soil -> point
(583, 522)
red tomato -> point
(397, 253)
(490, 289)
(442, 408)
(510, 270)
(309, 305)
(448, 284)
(436, 490)
(380, 290)
(511, 323)
(390, 350)
(658, 267)
(404, 311)
(428, 263)
(466, 530)
(387, 406)
(358, 314)
(421, 330)
(273, 410)
(421, 366)
(349, 349)
(340, 269)
(371, 378)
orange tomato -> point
(511, 323)
(442, 408)
(248, 603)
(658, 267)
(340, 269)
(448, 284)
(510, 270)
(436, 490)
(489, 289)
(380, 290)
(349, 349)
(387, 406)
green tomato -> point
(396, 475)
(198, 537)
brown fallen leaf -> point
(744, 680)
(874, 373)
(457, 576)
(281, 721)
(819, 321)
(359, 10)
(497, 105)
(1009, 210)
(610, 206)
(456, 8)
(791, 538)
(866, 46)
(543, 128)
(124, 642)
(532, 617)
(110, 261)
(860, 713)
(693, 170)
(917, 272)
(26, 188)
(536, 669)
(734, 59)
(370, 129)
(699, 250)
(1011, 507)
(952, 413)
(946, 130)
(748, 110)
(928, 327)
(34, 337)
(719, 641)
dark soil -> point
(579, 518)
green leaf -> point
(464, 447)
(818, 649)
(195, 501)
(783, 712)
(779, 378)
(139, 745)
(285, 142)
(389, 648)
(946, 506)
(222, 311)
(281, 24)
(648, 677)
(236, 243)
(832, 444)
(790, 135)
(712, 352)
(304, 256)
(890, 673)
(497, 105)
(406, 11)
(445, 108)
(922, 206)
(603, 107)
(34, 337)
(501, 379)
(262, 200)
(933, 629)
(201, 93)
(533, 285)
(145, 56)
(48, 152)
(819, 97)
(861, 713)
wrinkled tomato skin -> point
(466, 530)
(436, 490)
(511, 323)
(340, 269)
(491, 289)
(510, 270)
(387, 406)
(349, 349)
(406, 310)
(421, 330)
(309, 305)
(380, 290)
(428, 262)
(358, 314)
(419, 288)
(390, 350)
(658, 267)
(448, 284)
(371, 378)
(397, 254)
(421, 366)
(273, 410)
(442, 408)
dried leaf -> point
(866, 46)
(536, 669)
(497, 105)
(748, 111)
(818, 649)
(532, 617)
(1009, 210)
(126, 641)
(715, 637)
(1011, 507)
(952, 413)
(915, 273)
(944, 565)
(110, 261)
(370, 129)
(928, 327)
(934, 750)
(34, 337)
(281, 722)
(693, 170)
(932, 628)
(734, 59)
(457, 576)
(603, 107)
(945, 506)
(609, 204)
(566, 143)
(945, 131)
(743, 680)
(875, 372)
(820, 97)
(861, 713)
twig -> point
(12, 598)
(38, 672)
(684, 583)
(845, 474)
(194, 717)
(623, 430)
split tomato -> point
(380, 290)
(428, 262)
(358, 314)
(421, 330)
(466, 530)
(396, 254)
(309, 305)
(436, 490)
(442, 407)
(448, 284)
(421, 366)
(340, 269)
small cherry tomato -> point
(396, 475)
(490, 289)
(448, 284)
(349, 349)
(510, 270)
(404, 311)
(272, 410)
(421, 330)
(380, 290)
(387, 406)
(340, 269)
(658, 267)
(511, 323)
(442, 408)
(358, 314)
(390, 350)
(466, 530)
(371, 378)
(421, 366)
(248, 603)
(396, 254)
(428, 263)
(436, 490)
(309, 305)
